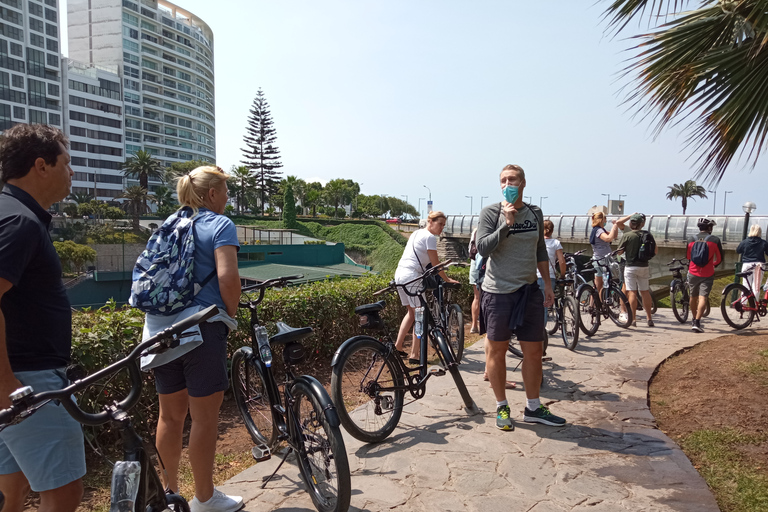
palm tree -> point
(136, 204)
(686, 190)
(706, 65)
(143, 166)
(243, 180)
(80, 198)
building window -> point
(131, 5)
(149, 37)
(169, 71)
(148, 26)
(12, 3)
(54, 119)
(131, 72)
(130, 32)
(50, 15)
(36, 25)
(130, 45)
(132, 136)
(37, 40)
(35, 9)
(148, 64)
(37, 117)
(17, 81)
(17, 50)
(130, 148)
(132, 123)
(77, 160)
(19, 112)
(51, 30)
(52, 45)
(131, 19)
(52, 60)
(131, 85)
(78, 146)
(133, 111)
(53, 90)
(129, 58)
(129, 97)
(76, 116)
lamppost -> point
(541, 200)
(725, 199)
(481, 201)
(470, 203)
(609, 198)
(714, 202)
(406, 203)
(420, 199)
(429, 203)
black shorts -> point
(496, 312)
(202, 371)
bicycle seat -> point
(288, 334)
(370, 308)
(451, 286)
(564, 281)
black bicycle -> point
(304, 417)
(369, 378)
(679, 299)
(564, 314)
(609, 303)
(151, 496)
(449, 315)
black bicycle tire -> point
(727, 301)
(591, 306)
(679, 287)
(707, 309)
(333, 442)
(244, 396)
(552, 323)
(614, 315)
(337, 395)
(512, 348)
(176, 500)
(453, 367)
(570, 333)
(457, 343)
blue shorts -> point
(202, 371)
(48, 446)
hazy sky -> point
(400, 94)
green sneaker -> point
(503, 421)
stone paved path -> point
(610, 456)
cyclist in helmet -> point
(702, 275)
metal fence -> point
(668, 228)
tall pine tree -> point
(260, 154)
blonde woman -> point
(195, 382)
(601, 239)
(419, 254)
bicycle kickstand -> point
(268, 478)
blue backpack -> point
(162, 277)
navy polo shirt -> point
(38, 319)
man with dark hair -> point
(44, 452)
(511, 235)
(701, 275)
(637, 274)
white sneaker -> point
(219, 502)
(622, 317)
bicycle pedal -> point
(546, 359)
(261, 453)
(437, 371)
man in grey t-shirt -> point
(510, 235)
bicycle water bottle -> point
(419, 327)
(125, 485)
(263, 340)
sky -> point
(408, 94)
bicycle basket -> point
(582, 262)
(372, 321)
(294, 352)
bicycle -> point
(679, 300)
(739, 305)
(564, 314)
(449, 315)
(151, 495)
(304, 418)
(606, 304)
(369, 376)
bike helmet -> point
(703, 223)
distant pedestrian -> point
(511, 235)
(701, 275)
(600, 239)
(753, 250)
(474, 259)
(637, 273)
(555, 259)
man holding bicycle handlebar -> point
(510, 234)
(46, 452)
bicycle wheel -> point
(553, 320)
(367, 412)
(570, 323)
(738, 306)
(176, 503)
(613, 299)
(455, 330)
(678, 299)
(706, 308)
(589, 309)
(450, 364)
(514, 348)
(323, 460)
(249, 386)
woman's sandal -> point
(509, 384)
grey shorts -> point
(700, 286)
(47, 446)
(202, 371)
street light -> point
(430, 192)
(726, 199)
(714, 203)
(470, 203)
(420, 199)
(609, 197)
(481, 201)
(541, 199)
(530, 198)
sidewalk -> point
(608, 457)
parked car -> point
(394, 221)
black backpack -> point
(647, 247)
(700, 251)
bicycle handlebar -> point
(682, 261)
(168, 338)
(262, 286)
(430, 271)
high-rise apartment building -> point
(93, 106)
(30, 79)
(164, 55)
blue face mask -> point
(510, 193)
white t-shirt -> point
(415, 258)
(553, 244)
